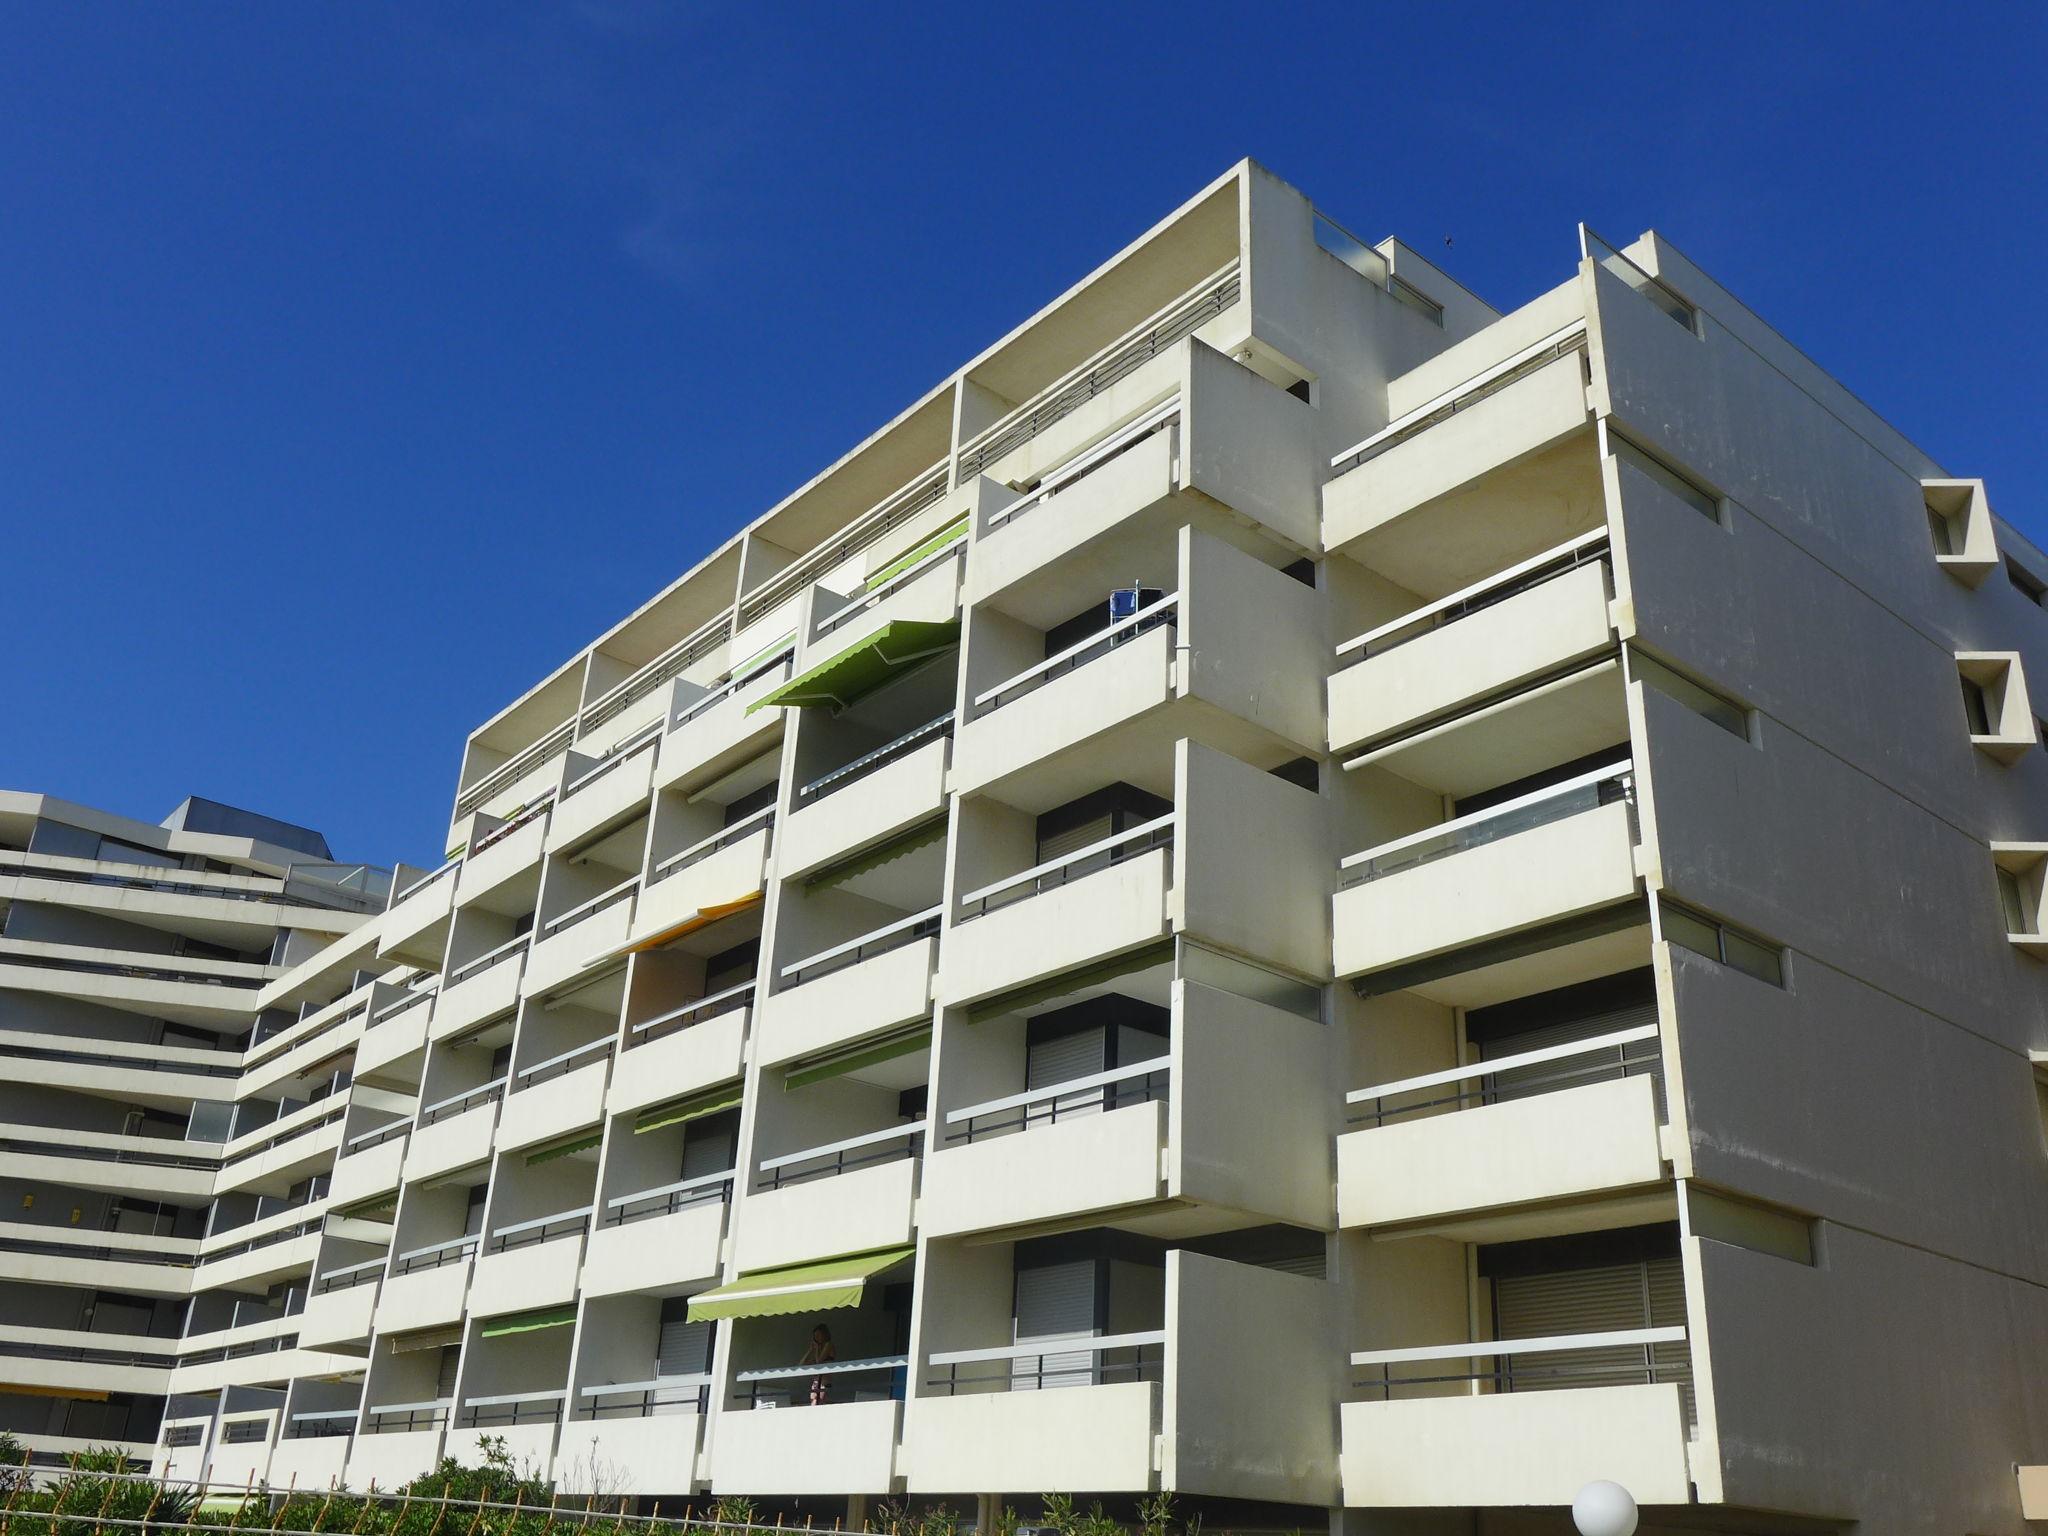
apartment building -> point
(167, 1140)
(1291, 890)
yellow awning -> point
(703, 917)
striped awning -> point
(797, 1287)
(820, 1069)
(530, 1322)
(695, 1107)
(865, 665)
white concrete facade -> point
(1279, 870)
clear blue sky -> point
(363, 361)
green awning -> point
(875, 1052)
(957, 529)
(578, 1143)
(882, 853)
(695, 1107)
(796, 1287)
(530, 1322)
(865, 665)
(1073, 981)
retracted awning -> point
(581, 1142)
(695, 1107)
(703, 917)
(425, 1338)
(1072, 982)
(884, 853)
(819, 1069)
(796, 1287)
(865, 665)
(530, 1322)
(955, 530)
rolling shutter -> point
(1603, 1300)
(684, 1347)
(1055, 1301)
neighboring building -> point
(164, 1151)
(1283, 867)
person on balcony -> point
(821, 1351)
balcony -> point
(399, 1442)
(454, 1132)
(828, 1449)
(241, 1455)
(531, 1263)
(416, 924)
(1553, 854)
(1420, 499)
(503, 853)
(706, 878)
(834, 998)
(554, 1097)
(683, 1049)
(214, 994)
(480, 989)
(604, 792)
(882, 792)
(567, 945)
(711, 733)
(369, 1164)
(923, 587)
(1575, 1121)
(427, 1285)
(659, 1241)
(645, 1435)
(1531, 623)
(314, 1452)
(394, 1041)
(1436, 1435)
(157, 1166)
(1114, 896)
(343, 1305)
(114, 1068)
(850, 1196)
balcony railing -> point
(349, 1276)
(692, 1014)
(955, 547)
(501, 778)
(562, 1065)
(245, 1431)
(1048, 1363)
(432, 877)
(1116, 849)
(1512, 582)
(908, 930)
(725, 690)
(187, 882)
(326, 1424)
(38, 1147)
(725, 837)
(401, 1418)
(667, 1199)
(1121, 358)
(890, 1145)
(498, 955)
(409, 1001)
(512, 1408)
(880, 757)
(455, 1104)
(1462, 397)
(1141, 1082)
(1165, 611)
(1585, 792)
(362, 1141)
(1619, 1053)
(820, 1380)
(644, 1399)
(624, 752)
(584, 911)
(124, 1063)
(928, 489)
(1165, 418)
(542, 1229)
(435, 1255)
(677, 658)
(1628, 1357)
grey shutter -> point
(1055, 1301)
(1048, 1063)
(1619, 1061)
(1058, 846)
(1603, 1300)
(707, 1147)
(444, 1379)
(684, 1347)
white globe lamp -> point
(1604, 1509)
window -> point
(1703, 935)
(1416, 300)
(1948, 539)
(1976, 707)
(1959, 524)
(1679, 484)
(2030, 586)
(1698, 698)
(2018, 870)
(1996, 710)
(1745, 1224)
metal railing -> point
(325, 1424)
(1164, 418)
(690, 1014)
(691, 648)
(725, 837)
(926, 490)
(1480, 595)
(954, 548)
(114, 1059)
(702, 706)
(1118, 848)
(1121, 358)
(890, 1145)
(1631, 1360)
(349, 1276)
(667, 1199)
(1615, 1044)
(624, 752)
(189, 882)
(1483, 385)
(1142, 1082)
(512, 1408)
(904, 931)
(880, 757)
(753, 1385)
(1163, 612)
(435, 1255)
(1585, 792)
(185, 1257)
(541, 1229)
(1655, 289)
(583, 911)
(516, 945)
(644, 1399)
(244, 1431)
(22, 1146)
(503, 777)
(432, 877)
(362, 1141)
(448, 1108)
(1044, 1364)
(562, 1065)
(171, 973)
(400, 1418)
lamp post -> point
(1604, 1509)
